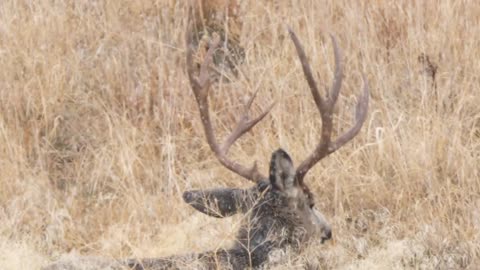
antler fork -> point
(200, 86)
(325, 106)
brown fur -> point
(279, 215)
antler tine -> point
(325, 146)
(244, 124)
(308, 73)
(200, 87)
(360, 117)
(338, 77)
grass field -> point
(100, 134)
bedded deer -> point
(279, 209)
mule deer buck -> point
(279, 209)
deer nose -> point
(327, 235)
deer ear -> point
(219, 203)
(282, 172)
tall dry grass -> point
(99, 134)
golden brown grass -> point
(99, 134)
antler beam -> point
(200, 86)
(325, 107)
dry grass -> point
(99, 134)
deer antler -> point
(325, 106)
(200, 86)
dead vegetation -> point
(99, 136)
